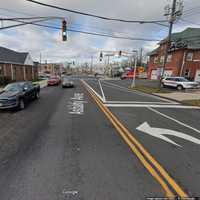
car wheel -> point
(37, 95)
(162, 85)
(21, 104)
(179, 87)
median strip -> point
(143, 155)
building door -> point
(197, 76)
(154, 74)
(168, 73)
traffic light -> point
(120, 53)
(101, 56)
(64, 30)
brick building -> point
(183, 56)
(16, 66)
(51, 68)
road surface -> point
(68, 146)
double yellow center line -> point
(170, 187)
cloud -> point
(38, 40)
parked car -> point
(180, 83)
(17, 95)
(54, 80)
(128, 75)
(67, 83)
(43, 76)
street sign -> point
(161, 133)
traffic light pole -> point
(171, 22)
(135, 69)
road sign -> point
(161, 133)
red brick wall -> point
(18, 71)
(176, 62)
(7, 71)
(28, 73)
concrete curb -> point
(154, 94)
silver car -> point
(67, 83)
(180, 83)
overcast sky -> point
(81, 47)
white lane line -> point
(139, 93)
(104, 98)
(93, 90)
(139, 102)
(150, 106)
(175, 120)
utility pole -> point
(40, 62)
(173, 13)
(135, 69)
(91, 66)
(141, 55)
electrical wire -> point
(25, 18)
(97, 16)
(23, 23)
(103, 30)
(79, 31)
(190, 11)
(187, 21)
(97, 34)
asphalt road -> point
(133, 109)
(64, 147)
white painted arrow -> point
(161, 132)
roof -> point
(12, 57)
(189, 38)
(154, 52)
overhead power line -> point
(104, 30)
(190, 22)
(35, 23)
(23, 23)
(191, 11)
(97, 16)
(26, 18)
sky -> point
(81, 47)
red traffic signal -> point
(64, 30)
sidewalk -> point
(181, 96)
(41, 83)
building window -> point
(162, 58)
(1, 70)
(155, 60)
(187, 73)
(189, 56)
(169, 58)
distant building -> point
(98, 68)
(183, 56)
(51, 68)
(17, 66)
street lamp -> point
(135, 69)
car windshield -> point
(66, 80)
(53, 79)
(183, 79)
(12, 87)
